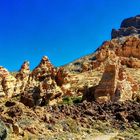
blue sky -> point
(64, 30)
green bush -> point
(72, 100)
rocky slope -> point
(103, 86)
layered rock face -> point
(128, 27)
(47, 84)
(107, 86)
(113, 57)
(126, 48)
(115, 85)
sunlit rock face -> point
(44, 85)
(115, 85)
(22, 78)
(7, 83)
(12, 85)
(101, 76)
(126, 48)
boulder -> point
(61, 77)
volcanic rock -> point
(8, 84)
(22, 78)
(130, 26)
(44, 69)
(115, 85)
(42, 87)
(3, 73)
(107, 86)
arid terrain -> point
(96, 97)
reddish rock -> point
(45, 68)
(115, 85)
(22, 78)
(43, 85)
(107, 86)
(7, 83)
(61, 76)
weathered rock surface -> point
(43, 85)
(107, 86)
(126, 48)
(22, 78)
(39, 87)
(47, 84)
(128, 27)
(115, 85)
(7, 83)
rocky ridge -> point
(129, 26)
(102, 86)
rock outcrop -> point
(47, 84)
(126, 48)
(115, 85)
(130, 26)
(7, 83)
(22, 78)
(43, 86)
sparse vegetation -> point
(71, 100)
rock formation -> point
(130, 26)
(126, 48)
(47, 84)
(43, 85)
(7, 83)
(115, 85)
(22, 78)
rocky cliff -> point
(67, 102)
(48, 85)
